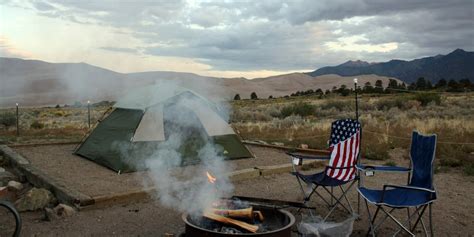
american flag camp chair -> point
(418, 194)
(344, 148)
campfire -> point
(232, 217)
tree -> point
(378, 86)
(392, 84)
(421, 83)
(441, 84)
(465, 84)
(368, 88)
(270, 97)
(453, 86)
(429, 86)
(253, 96)
(237, 97)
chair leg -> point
(372, 220)
(398, 222)
(419, 217)
(417, 209)
(347, 200)
(431, 220)
(332, 203)
(408, 217)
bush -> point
(302, 109)
(8, 119)
(337, 104)
(36, 125)
(377, 152)
(426, 98)
(469, 170)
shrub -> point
(469, 169)
(302, 109)
(377, 152)
(426, 98)
(337, 104)
(253, 96)
(36, 125)
(8, 119)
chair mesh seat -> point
(398, 197)
(320, 179)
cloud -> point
(10, 50)
(251, 36)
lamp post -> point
(17, 121)
(89, 113)
(356, 101)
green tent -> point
(144, 120)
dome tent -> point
(145, 120)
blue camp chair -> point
(419, 193)
(344, 149)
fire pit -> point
(275, 222)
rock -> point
(304, 146)
(3, 192)
(5, 177)
(15, 186)
(50, 214)
(34, 199)
(64, 210)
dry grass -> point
(387, 120)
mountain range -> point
(34, 82)
(458, 64)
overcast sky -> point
(232, 38)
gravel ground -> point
(452, 212)
(85, 176)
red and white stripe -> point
(344, 154)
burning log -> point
(239, 213)
(259, 215)
(223, 219)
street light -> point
(89, 113)
(357, 103)
(17, 121)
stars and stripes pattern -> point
(345, 147)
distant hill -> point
(33, 83)
(457, 65)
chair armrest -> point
(433, 192)
(408, 187)
(307, 157)
(338, 168)
(383, 168)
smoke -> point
(186, 189)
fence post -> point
(89, 113)
(17, 121)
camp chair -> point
(419, 193)
(344, 147)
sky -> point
(232, 38)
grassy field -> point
(387, 120)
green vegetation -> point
(36, 125)
(301, 108)
(7, 119)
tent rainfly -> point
(141, 123)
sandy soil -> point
(452, 212)
(87, 177)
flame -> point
(210, 178)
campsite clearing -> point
(452, 212)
